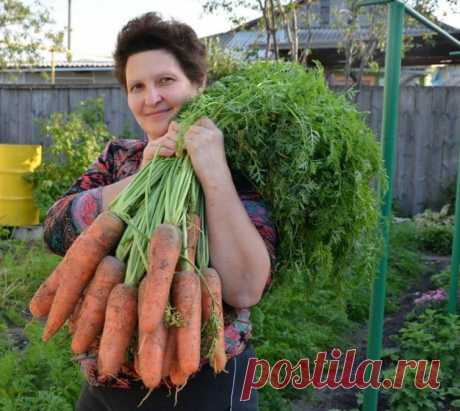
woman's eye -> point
(166, 80)
(136, 87)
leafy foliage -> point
(435, 230)
(310, 155)
(76, 141)
(24, 30)
(33, 375)
(221, 62)
(434, 335)
(42, 377)
(18, 281)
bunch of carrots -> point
(138, 277)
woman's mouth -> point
(159, 113)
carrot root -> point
(119, 326)
(78, 266)
(90, 322)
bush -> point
(435, 231)
(76, 140)
(221, 62)
(434, 335)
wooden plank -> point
(451, 147)
(423, 130)
(36, 102)
(440, 120)
(406, 141)
(2, 114)
(377, 110)
(364, 103)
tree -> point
(276, 15)
(359, 48)
(25, 30)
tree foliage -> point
(25, 30)
(363, 29)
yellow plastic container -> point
(17, 207)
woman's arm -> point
(90, 194)
(237, 250)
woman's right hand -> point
(165, 145)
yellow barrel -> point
(17, 207)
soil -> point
(345, 400)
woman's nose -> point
(152, 97)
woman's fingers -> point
(164, 146)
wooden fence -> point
(429, 130)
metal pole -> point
(417, 16)
(69, 31)
(452, 304)
(389, 130)
(53, 67)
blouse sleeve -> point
(260, 217)
(80, 205)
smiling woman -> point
(161, 65)
(157, 88)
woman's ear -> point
(203, 84)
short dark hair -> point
(151, 32)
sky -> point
(95, 23)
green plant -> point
(33, 375)
(434, 335)
(442, 279)
(18, 281)
(41, 377)
(5, 232)
(221, 62)
(76, 140)
(435, 230)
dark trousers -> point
(203, 392)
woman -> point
(161, 65)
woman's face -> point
(157, 88)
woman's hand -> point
(205, 145)
(165, 145)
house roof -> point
(79, 65)
(315, 38)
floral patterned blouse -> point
(80, 205)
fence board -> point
(427, 149)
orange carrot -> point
(120, 323)
(193, 233)
(170, 352)
(90, 323)
(164, 252)
(176, 375)
(43, 298)
(151, 354)
(187, 300)
(72, 321)
(213, 305)
(79, 264)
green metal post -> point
(452, 304)
(389, 130)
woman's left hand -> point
(205, 145)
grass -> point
(33, 376)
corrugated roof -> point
(314, 38)
(79, 65)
